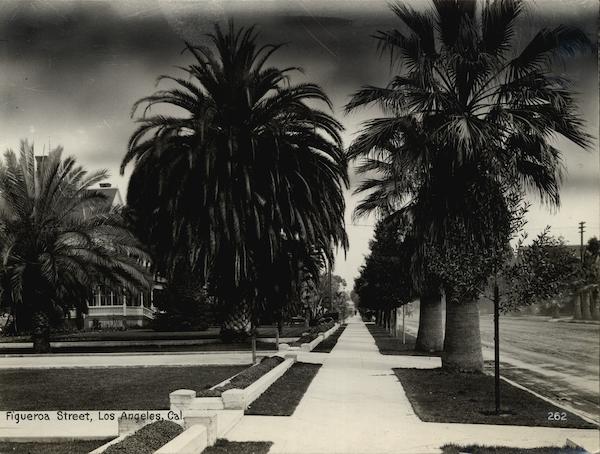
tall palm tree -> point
(59, 239)
(468, 118)
(249, 167)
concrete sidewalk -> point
(93, 360)
(356, 404)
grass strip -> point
(239, 447)
(390, 345)
(327, 345)
(123, 388)
(59, 447)
(283, 396)
(477, 449)
(147, 439)
(445, 397)
(246, 377)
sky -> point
(70, 72)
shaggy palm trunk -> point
(462, 343)
(40, 332)
(430, 337)
(585, 305)
(236, 325)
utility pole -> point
(330, 289)
(496, 343)
(581, 230)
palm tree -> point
(468, 119)
(59, 239)
(249, 167)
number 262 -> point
(557, 416)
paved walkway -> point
(91, 360)
(356, 404)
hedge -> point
(246, 377)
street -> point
(558, 360)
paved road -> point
(559, 360)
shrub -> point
(246, 377)
(312, 333)
(148, 439)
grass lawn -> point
(238, 447)
(327, 345)
(476, 449)
(65, 447)
(283, 396)
(121, 388)
(390, 345)
(439, 396)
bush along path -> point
(244, 378)
(147, 439)
(312, 333)
(283, 396)
(238, 447)
(327, 345)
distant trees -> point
(384, 282)
(244, 187)
(59, 239)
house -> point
(112, 308)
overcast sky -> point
(71, 70)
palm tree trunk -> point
(236, 325)
(462, 343)
(585, 305)
(430, 337)
(41, 332)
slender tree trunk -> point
(462, 343)
(430, 337)
(555, 309)
(585, 305)
(595, 296)
(41, 332)
(577, 306)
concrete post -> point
(181, 399)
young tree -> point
(59, 239)
(546, 270)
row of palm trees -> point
(244, 189)
(467, 127)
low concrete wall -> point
(239, 399)
(232, 399)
